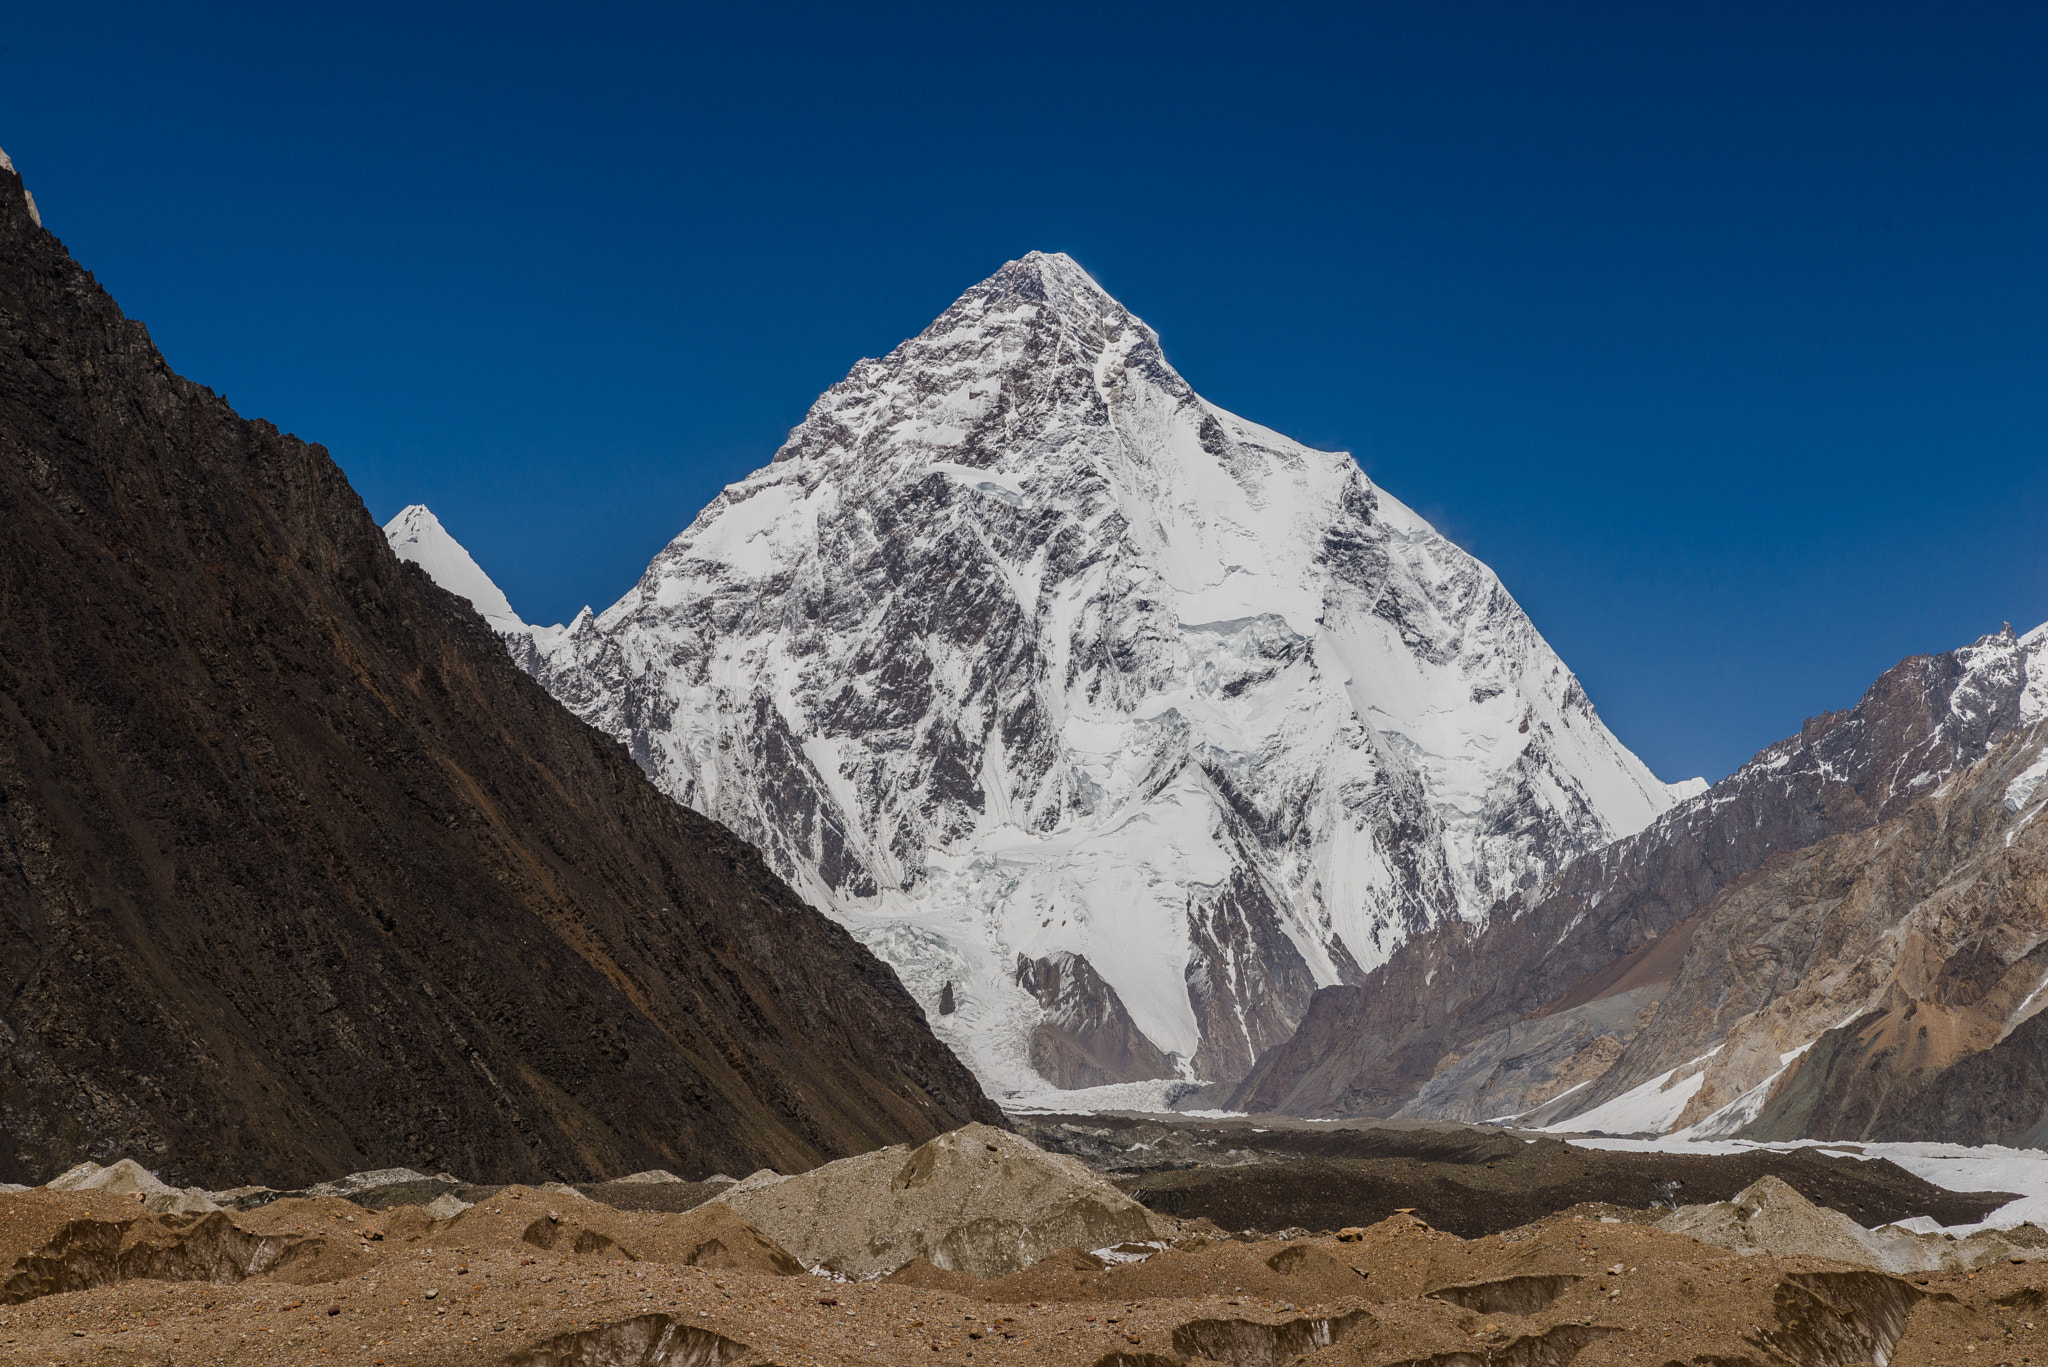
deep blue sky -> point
(1719, 330)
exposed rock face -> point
(1828, 994)
(1622, 919)
(1999, 1096)
(299, 874)
(1901, 949)
(1019, 647)
(1513, 1072)
(1086, 1038)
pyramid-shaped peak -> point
(417, 535)
(414, 519)
(1054, 266)
(1051, 278)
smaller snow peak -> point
(418, 536)
(413, 521)
(6, 163)
(1687, 788)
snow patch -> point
(2021, 790)
(1649, 1108)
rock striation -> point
(300, 874)
(1020, 649)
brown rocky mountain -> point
(1905, 961)
(1999, 1096)
(1549, 993)
(300, 874)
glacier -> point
(1116, 723)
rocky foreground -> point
(975, 1247)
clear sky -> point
(1719, 330)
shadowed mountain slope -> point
(300, 874)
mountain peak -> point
(1020, 653)
(1053, 282)
(417, 535)
(1053, 271)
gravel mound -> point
(358, 1182)
(129, 1178)
(977, 1200)
(1769, 1217)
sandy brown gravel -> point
(352, 1287)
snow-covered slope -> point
(1020, 654)
(417, 535)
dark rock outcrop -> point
(299, 874)
(1617, 919)
(1086, 1038)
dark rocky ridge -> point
(1370, 1049)
(300, 874)
(1997, 1096)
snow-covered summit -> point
(417, 535)
(1131, 720)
